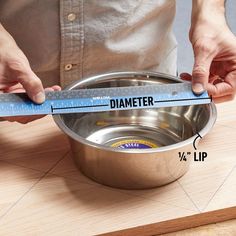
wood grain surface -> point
(43, 193)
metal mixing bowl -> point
(106, 145)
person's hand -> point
(16, 74)
(214, 47)
(26, 119)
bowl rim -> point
(147, 74)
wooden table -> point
(42, 192)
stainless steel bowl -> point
(105, 144)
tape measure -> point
(103, 99)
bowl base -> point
(133, 137)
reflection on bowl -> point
(134, 149)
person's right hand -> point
(16, 74)
(214, 47)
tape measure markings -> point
(103, 99)
(58, 108)
(187, 99)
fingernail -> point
(39, 97)
(198, 88)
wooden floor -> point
(42, 192)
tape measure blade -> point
(97, 100)
(159, 105)
(24, 109)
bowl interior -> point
(146, 128)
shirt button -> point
(71, 17)
(68, 67)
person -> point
(50, 42)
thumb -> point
(32, 84)
(203, 58)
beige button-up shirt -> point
(67, 40)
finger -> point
(19, 89)
(4, 85)
(186, 76)
(23, 119)
(203, 57)
(30, 82)
(230, 78)
(220, 89)
(225, 88)
(14, 88)
(56, 88)
(212, 78)
(50, 89)
(53, 88)
(215, 79)
(27, 119)
(224, 98)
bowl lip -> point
(147, 74)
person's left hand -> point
(214, 70)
